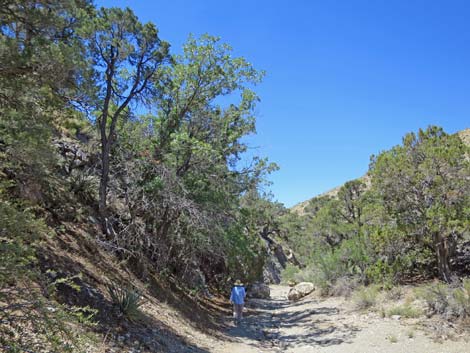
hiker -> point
(237, 298)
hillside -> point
(300, 207)
(123, 223)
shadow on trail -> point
(314, 326)
(329, 336)
(304, 317)
(258, 326)
(279, 322)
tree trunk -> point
(443, 256)
(105, 149)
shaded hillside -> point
(117, 228)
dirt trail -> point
(325, 325)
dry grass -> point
(366, 297)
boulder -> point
(258, 290)
(300, 290)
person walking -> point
(237, 298)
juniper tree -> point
(126, 55)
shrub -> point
(312, 274)
(437, 298)
(394, 293)
(128, 300)
(349, 260)
(461, 299)
(19, 231)
(344, 286)
(289, 273)
(366, 297)
(405, 310)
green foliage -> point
(449, 301)
(437, 296)
(351, 259)
(405, 310)
(461, 297)
(19, 232)
(33, 323)
(39, 71)
(425, 191)
(181, 201)
(289, 273)
(405, 217)
(127, 299)
(28, 319)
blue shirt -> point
(238, 295)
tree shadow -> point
(320, 327)
(318, 324)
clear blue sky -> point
(345, 79)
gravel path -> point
(327, 326)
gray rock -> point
(300, 290)
(259, 290)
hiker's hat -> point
(238, 283)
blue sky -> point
(345, 79)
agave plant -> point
(127, 299)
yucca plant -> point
(127, 299)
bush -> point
(366, 297)
(461, 299)
(405, 310)
(449, 301)
(29, 320)
(349, 260)
(289, 273)
(312, 274)
(437, 297)
(344, 286)
(19, 231)
(128, 300)
(394, 293)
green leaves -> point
(424, 186)
(405, 217)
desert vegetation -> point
(406, 220)
(124, 173)
(102, 126)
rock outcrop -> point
(278, 257)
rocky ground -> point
(328, 325)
